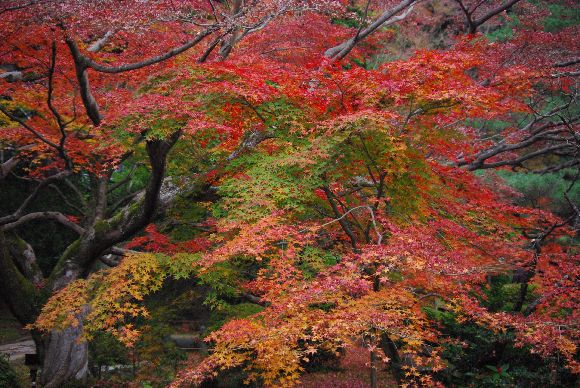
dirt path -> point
(17, 350)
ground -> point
(10, 329)
(15, 342)
(354, 373)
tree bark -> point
(16, 290)
(390, 349)
(64, 353)
(373, 376)
(390, 16)
(66, 357)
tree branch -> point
(55, 216)
(17, 7)
(100, 43)
(8, 166)
(29, 128)
(89, 63)
(66, 200)
(25, 259)
(16, 215)
(89, 101)
(478, 22)
(341, 218)
(388, 17)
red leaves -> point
(320, 194)
(382, 141)
(157, 242)
(73, 219)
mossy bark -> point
(64, 353)
(24, 298)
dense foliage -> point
(315, 177)
(7, 374)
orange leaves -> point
(269, 347)
(53, 316)
(254, 239)
(112, 299)
(359, 166)
(272, 359)
(442, 230)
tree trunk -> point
(65, 353)
(390, 350)
(66, 356)
(373, 370)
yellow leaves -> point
(64, 308)
(267, 355)
(273, 346)
(413, 342)
(111, 297)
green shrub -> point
(478, 357)
(543, 190)
(7, 374)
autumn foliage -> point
(348, 185)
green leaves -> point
(312, 260)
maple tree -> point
(308, 152)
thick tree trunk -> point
(65, 353)
(66, 356)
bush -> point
(7, 374)
(478, 357)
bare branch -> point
(109, 260)
(478, 22)
(99, 44)
(28, 128)
(125, 180)
(17, 214)
(568, 63)
(250, 142)
(7, 166)
(17, 7)
(79, 194)
(123, 201)
(546, 133)
(89, 101)
(341, 218)
(209, 50)
(388, 17)
(89, 63)
(55, 216)
(66, 200)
